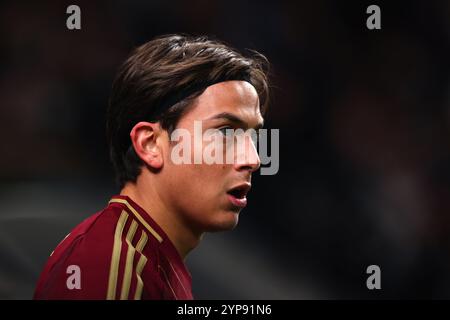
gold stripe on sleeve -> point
(129, 262)
(115, 258)
(138, 216)
(140, 265)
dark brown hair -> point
(159, 81)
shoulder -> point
(79, 267)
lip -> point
(240, 200)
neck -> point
(183, 238)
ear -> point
(145, 137)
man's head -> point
(171, 83)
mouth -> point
(238, 195)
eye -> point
(226, 131)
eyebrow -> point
(235, 119)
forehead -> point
(237, 97)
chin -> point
(227, 221)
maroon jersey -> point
(118, 253)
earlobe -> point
(144, 137)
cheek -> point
(200, 179)
(196, 185)
(200, 189)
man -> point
(135, 247)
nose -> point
(247, 157)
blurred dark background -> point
(364, 119)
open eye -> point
(227, 131)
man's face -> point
(209, 197)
